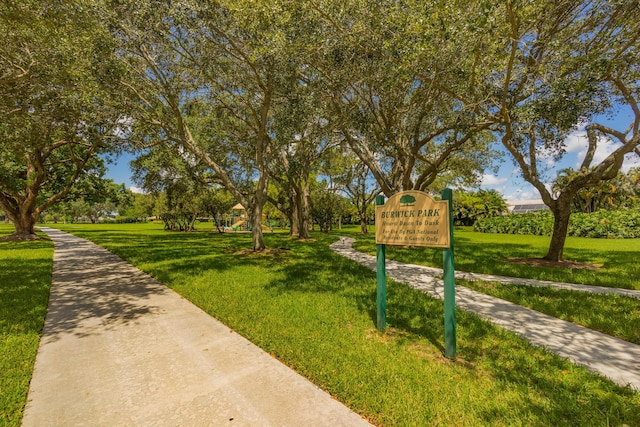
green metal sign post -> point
(449, 286)
(381, 275)
(402, 222)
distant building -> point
(525, 206)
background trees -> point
(57, 106)
(354, 179)
(468, 207)
(568, 61)
(255, 96)
(623, 191)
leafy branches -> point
(56, 105)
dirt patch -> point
(539, 262)
(19, 238)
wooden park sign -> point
(414, 218)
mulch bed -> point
(539, 262)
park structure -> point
(414, 218)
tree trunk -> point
(23, 219)
(363, 221)
(256, 228)
(303, 210)
(216, 219)
(25, 227)
(561, 216)
(294, 215)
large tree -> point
(207, 77)
(402, 77)
(567, 62)
(56, 103)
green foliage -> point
(140, 208)
(95, 198)
(620, 224)
(398, 87)
(468, 207)
(356, 180)
(58, 109)
(327, 207)
(534, 223)
(178, 187)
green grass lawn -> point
(488, 253)
(618, 316)
(25, 277)
(315, 311)
(614, 315)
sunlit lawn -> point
(315, 311)
(25, 277)
(488, 253)
(614, 315)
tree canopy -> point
(259, 97)
(57, 107)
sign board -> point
(413, 218)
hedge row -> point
(620, 224)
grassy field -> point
(614, 315)
(316, 312)
(488, 253)
(25, 277)
(618, 316)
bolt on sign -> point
(413, 218)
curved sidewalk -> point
(120, 349)
(611, 357)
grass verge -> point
(615, 315)
(487, 253)
(25, 278)
(315, 311)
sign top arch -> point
(413, 218)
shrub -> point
(619, 224)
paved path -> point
(612, 357)
(120, 349)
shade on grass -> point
(615, 315)
(25, 277)
(316, 312)
(488, 253)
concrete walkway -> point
(611, 357)
(120, 349)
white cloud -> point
(523, 195)
(136, 190)
(493, 180)
(577, 143)
(631, 162)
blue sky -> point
(119, 170)
(507, 181)
(513, 187)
